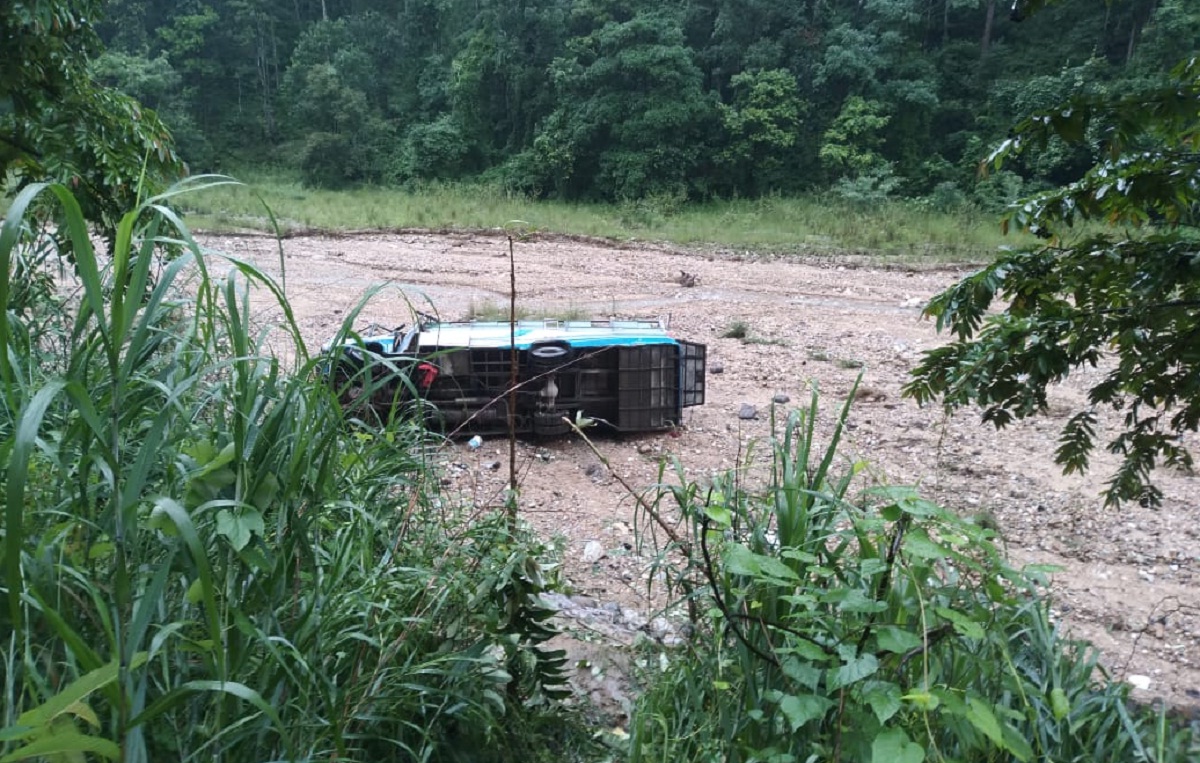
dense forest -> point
(620, 99)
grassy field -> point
(902, 229)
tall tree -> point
(1127, 302)
(632, 118)
(56, 123)
(498, 86)
(333, 100)
(764, 125)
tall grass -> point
(810, 225)
(202, 560)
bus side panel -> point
(648, 387)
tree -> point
(851, 144)
(1126, 300)
(763, 126)
(57, 124)
(155, 83)
(498, 86)
(332, 99)
(633, 119)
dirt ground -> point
(1128, 579)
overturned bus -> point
(630, 375)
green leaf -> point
(800, 556)
(84, 712)
(854, 600)
(951, 702)
(64, 743)
(67, 699)
(980, 714)
(894, 746)
(854, 670)
(962, 624)
(803, 709)
(1016, 744)
(16, 732)
(884, 699)
(719, 514)
(1059, 704)
(923, 700)
(801, 672)
(742, 561)
(182, 521)
(918, 544)
(25, 439)
(179, 695)
(265, 492)
(805, 648)
(896, 640)
(906, 500)
(195, 592)
(239, 526)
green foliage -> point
(850, 147)
(1174, 27)
(615, 99)
(999, 190)
(325, 160)
(867, 188)
(435, 150)
(324, 101)
(873, 628)
(898, 230)
(56, 123)
(737, 330)
(153, 82)
(1059, 161)
(333, 106)
(763, 125)
(202, 558)
(1123, 301)
(632, 118)
(947, 196)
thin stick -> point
(512, 385)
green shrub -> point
(880, 627)
(325, 160)
(434, 151)
(999, 189)
(947, 197)
(738, 329)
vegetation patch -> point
(204, 555)
(871, 626)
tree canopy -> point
(613, 99)
(1124, 299)
(58, 123)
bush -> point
(947, 197)
(652, 210)
(877, 628)
(325, 161)
(997, 190)
(867, 188)
(434, 151)
(738, 329)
